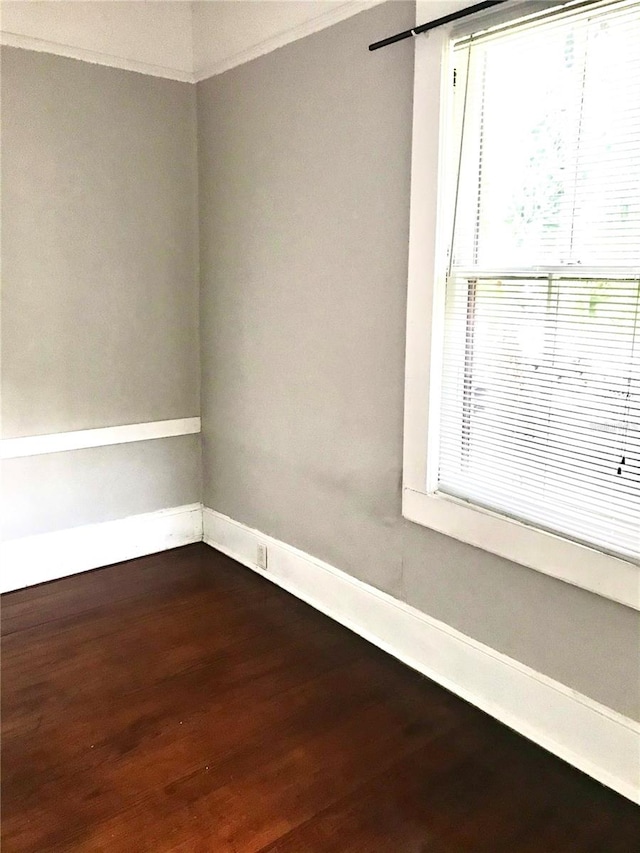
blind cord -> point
(457, 191)
(627, 412)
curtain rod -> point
(423, 28)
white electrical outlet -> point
(261, 560)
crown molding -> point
(341, 12)
(314, 25)
(94, 57)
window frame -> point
(430, 216)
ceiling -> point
(167, 38)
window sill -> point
(608, 576)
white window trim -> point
(554, 555)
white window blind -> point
(540, 406)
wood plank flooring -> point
(182, 703)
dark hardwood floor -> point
(182, 703)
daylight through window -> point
(540, 405)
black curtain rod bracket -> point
(446, 19)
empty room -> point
(320, 401)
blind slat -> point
(540, 402)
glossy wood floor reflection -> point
(182, 703)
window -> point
(524, 436)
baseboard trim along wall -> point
(33, 445)
(577, 729)
(48, 556)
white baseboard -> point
(48, 556)
(586, 734)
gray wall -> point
(99, 229)
(304, 158)
(304, 161)
(56, 491)
(99, 289)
